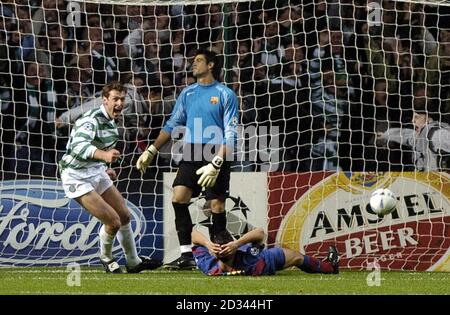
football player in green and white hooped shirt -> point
(87, 179)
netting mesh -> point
(319, 83)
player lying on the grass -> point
(86, 178)
(226, 256)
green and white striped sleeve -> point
(84, 135)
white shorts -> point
(77, 183)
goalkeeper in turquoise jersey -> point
(86, 178)
(209, 112)
(222, 256)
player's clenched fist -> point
(146, 158)
(111, 156)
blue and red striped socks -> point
(314, 265)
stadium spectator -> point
(244, 66)
(289, 106)
(104, 68)
(27, 49)
(386, 107)
(148, 61)
(162, 25)
(204, 164)
(438, 71)
(160, 41)
(57, 55)
(35, 114)
(315, 17)
(239, 16)
(324, 150)
(223, 255)
(177, 52)
(271, 47)
(86, 178)
(80, 87)
(160, 109)
(7, 131)
(291, 25)
(429, 139)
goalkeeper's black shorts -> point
(186, 176)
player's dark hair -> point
(221, 238)
(211, 56)
(113, 85)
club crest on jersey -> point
(254, 251)
(214, 100)
(88, 126)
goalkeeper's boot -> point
(333, 257)
(111, 266)
(146, 264)
(184, 262)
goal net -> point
(331, 94)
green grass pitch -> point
(161, 282)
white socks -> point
(106, 244)
(126, 240)
(186, 249)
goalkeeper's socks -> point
(106, 244)
(183, 223)
(126, 240)
(314, 265)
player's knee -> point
(125, 218)
(298, 259)
(179, 199)
(181, 194)
(292, 258)
(114, 225)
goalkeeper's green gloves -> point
(210, 172)
(146, 158)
